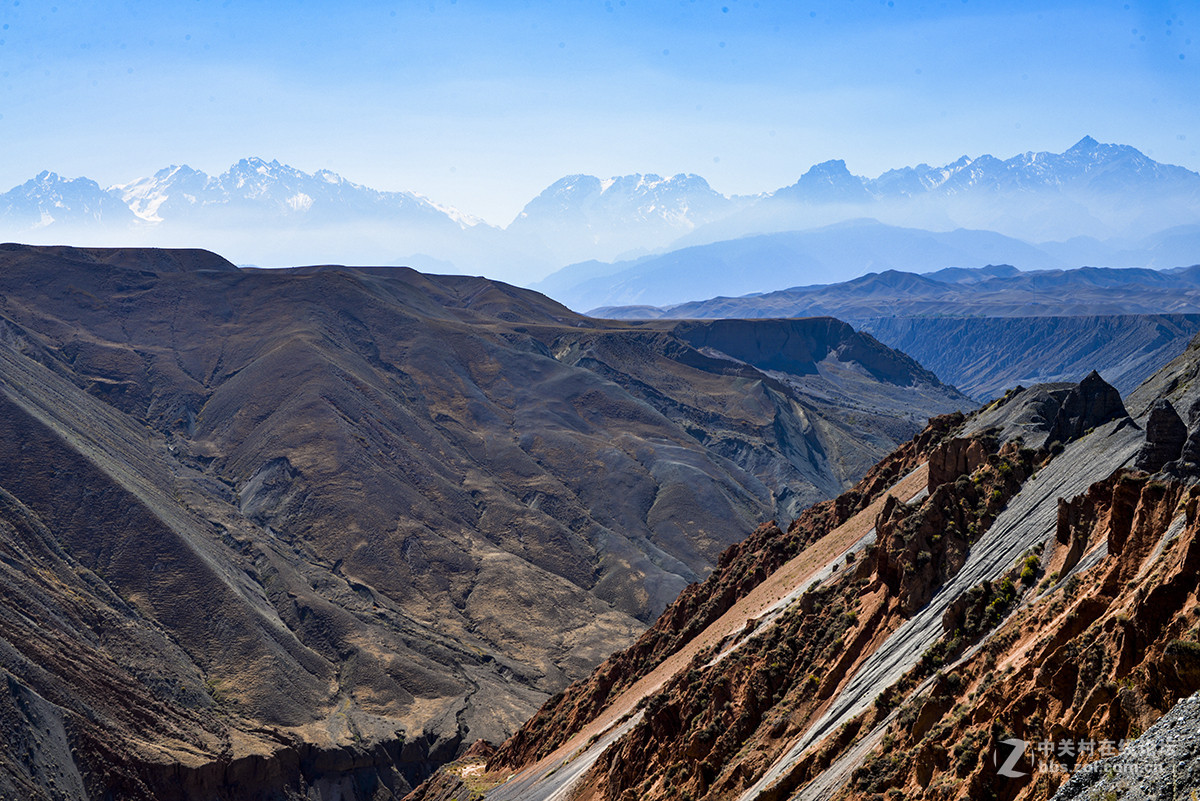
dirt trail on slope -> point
(782, 585)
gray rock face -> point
(1025, 413)
(1190, 456)
(1047, 413)
(1193, 414)
(1164, 763)
(1165, 437)
(1092, 403)
(1188, 463)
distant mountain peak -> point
(256, 162)
(48, 198)
(255, 191)
(582, 216)
(1092, 189)
(827, 182)
(830, 167)
(631, 182)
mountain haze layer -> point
(1105, 200)
(1090, 189)
(756, 264)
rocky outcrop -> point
(1078, 517)
(1165, 437)
(1027, 413)
(1099, 657)
(1093, 402)
(1191, 448)
(919, 547)
(1188, 463)
(958, 457)
(1047, 413)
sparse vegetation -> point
(1189, 648)
(1029, 569)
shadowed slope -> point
(377, 511)
(1043, 592)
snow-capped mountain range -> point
(1088, 165)
(273, 214)
(269, 189)
(47, 199)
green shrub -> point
(1184, 648)
(1029, 569)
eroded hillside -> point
(316, 530)
(1038, 584)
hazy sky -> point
(481, 104)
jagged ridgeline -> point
(313, 532)
(1027, 573)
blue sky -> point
(481, 104)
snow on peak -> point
(143, 197)
(300, 202)
(463, 219)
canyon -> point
(1026, 573)
(318, 530)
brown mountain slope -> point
(989, 329)
(327, 524)
(992, 354)
(1042, 594)
(699, 608)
